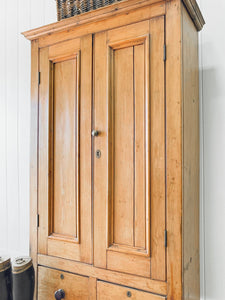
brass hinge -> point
(38, 220)
(164, 52)
(39, 78)
(165, 238)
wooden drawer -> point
(49, 281)
(108, 291)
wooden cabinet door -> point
(64, 173)
(129, 158)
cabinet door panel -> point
(122, 143)
(129, 113)
(65, 150)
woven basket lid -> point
(21, 264)
(5, 263)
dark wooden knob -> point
(60, 294)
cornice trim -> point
(109, 11)
(195, 13)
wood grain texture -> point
(128, 34)
(106, 12)
(157, 142)
(191, 286)
(65, 212)
(50, 281)
(107, 291)
(34, 156)
(130, 136)
(43, 144)
(142, 13)
(100, 165)
(131, 129)
(92, 288)
(64, 50)
(66, 149)
(140, 221)
(146, 179)
(86, 204)
(90, 17)
(63, 247)
(127, 136)
(128, 263)
(136, 132)
(123, 168)
(174, 149)
(153, 286)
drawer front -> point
(108, 291)
(50, 281)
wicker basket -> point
(69, 8)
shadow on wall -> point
(213, 108)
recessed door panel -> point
(128, 154)
(129, 113)
(66, 149)
(123, 154)
(64, 202)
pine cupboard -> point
(115, 153)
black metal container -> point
(5, 279)
(23, 278)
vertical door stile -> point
(85, 171)
(100, 143)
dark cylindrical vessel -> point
(23, 278)
(5, 279)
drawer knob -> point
(129, 294)
(60, 294)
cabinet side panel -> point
(43, 155)
(174, 149)
(191, 289)
(157, 124)
(34, 154)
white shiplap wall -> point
(16, 16)
(212, 66)
(21, 15)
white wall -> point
(212, 66)
(15, 123)
(16, 17)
